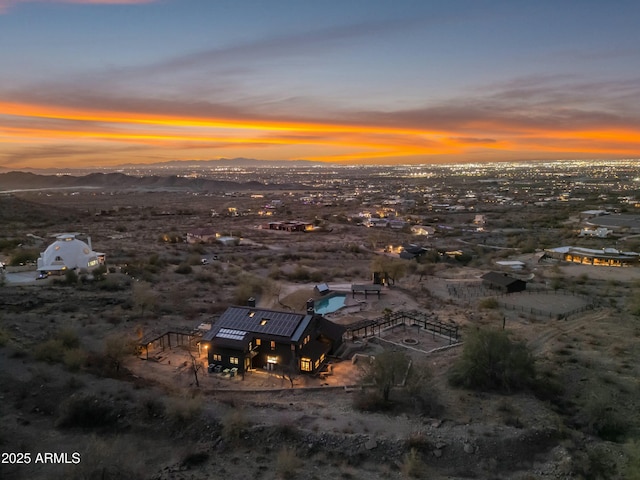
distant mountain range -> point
(119, 181)
(180, 164)
(227, 162)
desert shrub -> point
(70, 277)
(153, 407)
(69, 338)
(603, 418)
(491, 361)
(316, 276)
(4, 337)
(206, 278)
(184, 268)
(74, 383)
(108, 458)
(368, 400)
(116, 349)
(193, 459)
(87, 412)
(275, 273)
(8, 244)
(380, 376)
(300, 274)
(413, 466)
(74, 359)
(22, 257)
(233, 424)
(632, 471)
(195, 259)
(184, 410)
(51, 351)
(111, 284)
(489, 303)
(422, 392)
(287, 463)
(99, 272)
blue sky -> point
(103, 82)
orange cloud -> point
(153, 137)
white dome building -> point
(69, 253)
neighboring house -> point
(503, 282)
(411, 251)
(248, 337)
(69, 253)
(512, 264)
(397, 224)
(201, 235)
(378, 222)
(480, 220)
(609, 257)
(600, 232)
(422, 230)
(289, 226)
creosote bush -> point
(489, 303)
(287, 463)
(233, 424)
(183, 410)
(492, 361)
(184, 269)
(86, 411)
(413, 466)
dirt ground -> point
(147, 419)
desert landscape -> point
(77, 377)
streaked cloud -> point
(291, 91)
(5, 5)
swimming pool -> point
(330, 304)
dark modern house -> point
(411, 251)
(503, 282)
(248, 338)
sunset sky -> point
(107, 82)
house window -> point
(258, 342)
(305, 364)
(273, 345)
(233, 360)
(264, 321)
(217, 357)
(293, 347)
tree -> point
(424, 270)
(387, 370)
(393, 268)
(116, 348)
(491, 361)
(143, 297)
(196, 366)
(290, 370)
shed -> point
(503, 282)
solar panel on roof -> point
(231, 334)
(278, 323)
